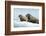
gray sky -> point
(24, 11)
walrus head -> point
(20, 16)
(28, 16)
(23, 18)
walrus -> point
(32, 19)
(23, 18)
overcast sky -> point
(24, 11)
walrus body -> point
(29, 18)
(32, 19)
(23, 18)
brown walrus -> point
(32, 19)
(23, 18)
